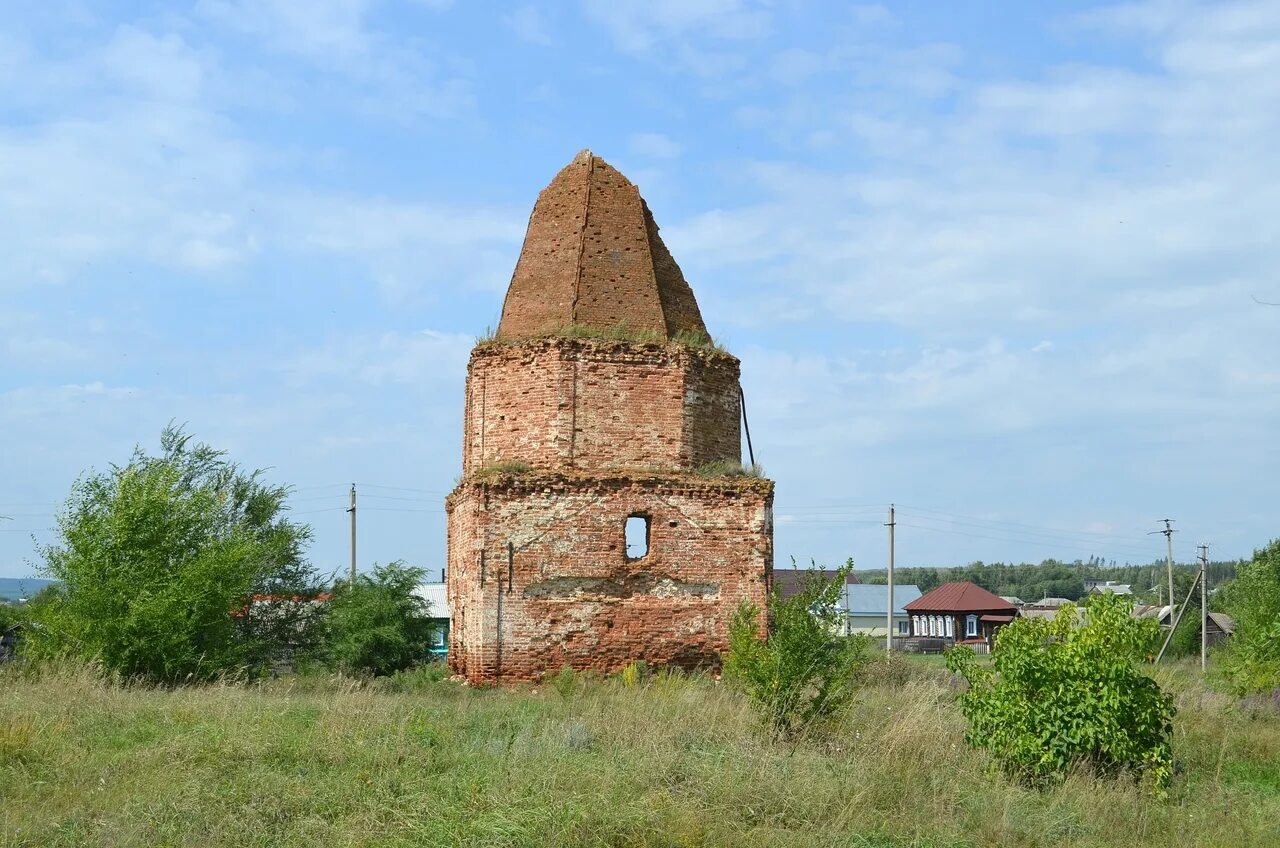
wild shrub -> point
(1253, 656)
(566, 681)
(802, 671)
(633, 674)
(377, 625)
(167, 565)
(1068, 692)
(416, 680)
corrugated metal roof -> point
(865, 599)
(435, 596)
(789, 581)
(960, 597)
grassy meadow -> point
(672, 761)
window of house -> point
(950, 622)
(971, 625)
(933, 625)
(902, 628)
(637, 536)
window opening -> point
(637, 536)
(971, 625)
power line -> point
(1061, 546)
(1039, 537)
(401, 488)
(398, 498)
(398, 509)
(1003, 522)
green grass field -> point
(674, 761)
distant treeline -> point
(1052, 578)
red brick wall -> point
(589, 404)
(592, 257)
(574, 598)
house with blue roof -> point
(866, 607)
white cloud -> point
(323, 30)
(371, 71)
(528, 25)
(654, 146)
(638, 25)
(140, 161)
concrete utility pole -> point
(1178, 619)
(888, 636)
(1168, 532)
(352, 510)
(1204, 608)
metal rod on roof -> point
(751, 454)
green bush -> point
(1253, 656)
(377, 625)
(802, 672)
(1068, 692)
(158, 562)
(1186, 637)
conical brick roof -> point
(592, 259)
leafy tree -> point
(802, 672)
(158, 561)
(377, 625)
(1066, 692)
(1253, 599)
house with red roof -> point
(959, 613)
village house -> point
(437, 599)
(959, 613)
(1219, 626)
(866, 607)
(1095, 587)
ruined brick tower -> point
(600, 403)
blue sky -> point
(994, 264)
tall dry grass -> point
(671, 761)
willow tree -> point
(173, 567)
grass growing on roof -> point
(728, 468)
(506, 466)
(621, 332)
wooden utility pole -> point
(352, 510)
(888, 635)
(1204, 607)
(1168, 532)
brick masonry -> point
(566, 593)
(587, 404)
(566, 438)
(592, 257)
